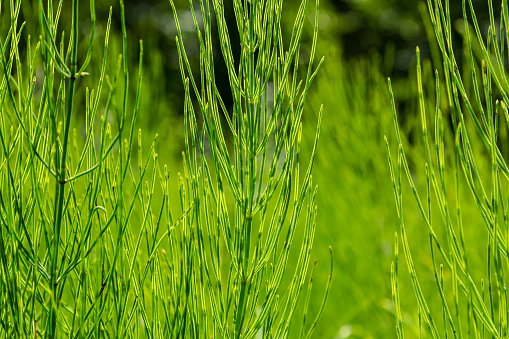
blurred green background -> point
(364, 42)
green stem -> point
(250, 163)
(60, 185)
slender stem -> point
(60, 185)
(250, 170)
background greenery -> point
(364, 42)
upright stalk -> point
(249, 165)
(61, 175)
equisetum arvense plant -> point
(245, 201)
(462, 161)
(89, 246)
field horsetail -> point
(95, 240)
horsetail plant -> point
(89, 245)
(245, 201)
(70, 256)
(467, 149)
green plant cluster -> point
(99, 238)
(463, 200)
(95, 241)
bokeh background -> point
(364, 42)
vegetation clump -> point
(94, 240)
(466, 181)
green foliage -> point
(246, 200)
(356, 214)
(465, 167)
(91, 244)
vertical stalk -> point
(250, 158)
(61, 175)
